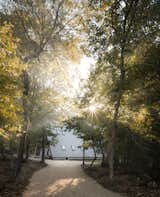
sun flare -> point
(92, 108)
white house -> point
(69, 146)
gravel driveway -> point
(64, 179)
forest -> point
(114, 108)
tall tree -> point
(113, 35)
(11, 88)
(40, 25)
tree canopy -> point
(116, 111)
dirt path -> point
(64, 179)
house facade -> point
(69, 146)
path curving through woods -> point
(64, 179)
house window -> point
(79, 147)
(58, 132)
(63, 147)
(73, 148)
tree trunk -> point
(26, 84)
(111, 145)
(35, 150)
(27, 146)
(43, 147)
(20, 154)
(103, 156)
(2, 150)
(83, 163)
(95, 156)
(49, 152)
(51, 156)
(110, 153)
(21, 148)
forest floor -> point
(11, 187)
(125, 184)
